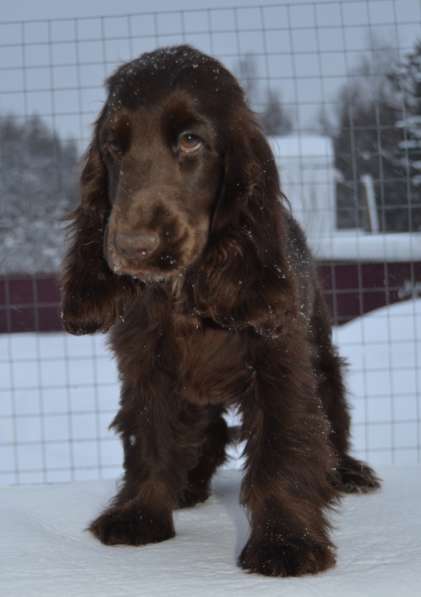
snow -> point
(58, 394)
(45, 551)
(353, 245)
(383, 350)
(54, 411)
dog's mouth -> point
(151, 275)
(155, 268)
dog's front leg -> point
(288, 458)
(155, 468)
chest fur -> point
(205, 364)
(213, 363)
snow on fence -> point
(320, 76)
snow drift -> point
(44, 550)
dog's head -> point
(161, 142)
(178, 174)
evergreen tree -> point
(246, 72)
(274, 118)
(38, 186)
(365, 144)
(406, 79)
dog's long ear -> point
(243, 278)
(91, 293)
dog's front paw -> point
(132, 526)
(293, 558)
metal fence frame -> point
(31, 56)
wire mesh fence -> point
(337, 86)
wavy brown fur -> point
(192, 261)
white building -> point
(308, 179)
(307, 171)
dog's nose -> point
(140, 245)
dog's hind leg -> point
(212, 455)
(350, 475)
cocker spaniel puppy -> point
(184, 249)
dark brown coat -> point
(184, 248)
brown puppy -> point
(183, 247)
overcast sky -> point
(305, 50)
(51, 9)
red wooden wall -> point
(31, 302)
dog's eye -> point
(112, 148)
(189, 142)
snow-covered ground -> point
(357, 245)
(44, 551)
(383, 350)
(58, 394)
